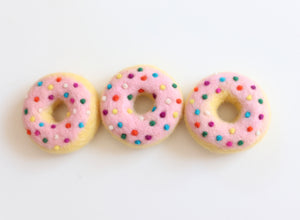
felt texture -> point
(141, 130)
(201, 108)
(82, 120)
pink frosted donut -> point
(82, 120)
(209, 130)
(117, 106)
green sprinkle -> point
(174, 85)
(235, 78)
(240, 143)
(45, 140)
(130, 97)
(123, 136)
(82, 101)
(25, 111)
(204, 133)
(152, 123)
(204, 96)
(140, 69)
(260, 101)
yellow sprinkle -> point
(68, 114)
(231, 130)
(129, 111)
(115, 111)
(175, 114)
(50, 87)
(162, 87)
(249, 97)
(32, 119)
(56, 147)
(119, 76)
(192, 101)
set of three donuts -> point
(118, 114)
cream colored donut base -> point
(92, 124)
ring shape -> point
(215, 134)
(81, 122)
(117, 106)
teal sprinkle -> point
(41, 124)
(40, 83)
(66, 94)
(109, 86)
(197, 111)
(154, 108)
(247, 114)
(166, 127)
(219, 138)
(120, 124)
(222, 79)
(137, 142)
(154, 75)
(80, 125)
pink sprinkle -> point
(130, 75)
(162, 114)
(229, 144)
(253, 87)
(37, 133)
(72, 100)
(51, 97)
(148, 137)
(211, 124)
(206, 83)
(154, 95)
(53, 126)
(67, 140)
(261, 117)
(75, 85)
(218, 90)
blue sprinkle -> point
(197, 111)
(219, 138)
(41, 124)
(109, 86)
(80, 125)
(222, 79)
(137, 142)
(66, 94)
(247, 114)
(166, 127)
(40, 83)
(154, 108)
(120, 124)
(155, 75)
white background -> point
(177, 179)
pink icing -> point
(40, 97)
(253, 120)
(136, 128)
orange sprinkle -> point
(196, 89)
(68, 125)
(58, 79)
(178, 101)
(141, 90)
(115, 98)
(134, 132)
(36, 99)
(239, 87)
(28, 132)
(249, 129)
(144, 78)
(197, 124)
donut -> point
(81, 122)
(214, 133)
(121, 119)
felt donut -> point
(212, 132)
(81, 122)
(120, 117)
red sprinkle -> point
(197, 124)
(178, 101)
(141, 90)
(134, 132)
(239, 87)
(68, 125)
(144, 78)
(36, 99)
(28, 132)
(115, 98)
(58, 79)
(196, 89)
(249, 129)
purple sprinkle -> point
(261, 117)
(105, 112)
(130, 75)
(206, 83)
(253, 87)
(218, 90)
(53, 126)
(67, 140)
(75, 85)
(162, 114)
(211, 124)
(148, 137)
(154, 95)
(51, 97)
(37, 133)
(72, 100)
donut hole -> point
(143, 103)
(60, 111)
(228, 111)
